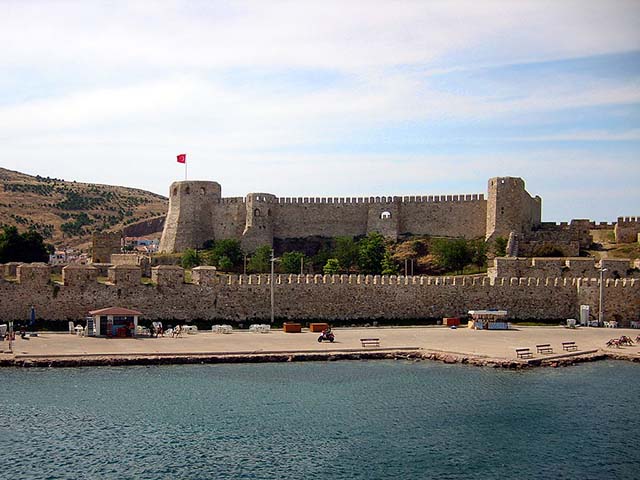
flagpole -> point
(185, 170)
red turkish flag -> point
(182, 158)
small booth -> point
(114, 322)
(488, 320)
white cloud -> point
(137, 82)
(586, 135)
(332, 34)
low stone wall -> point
(305, 298)
(572, 267)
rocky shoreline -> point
(414, 355)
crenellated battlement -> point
(578, 267)
(572, 225)
(627, 230)
(380, 199)
(76, 276)
(602, 225)
(214, 296)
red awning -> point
(116, 311)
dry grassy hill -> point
(66, 213)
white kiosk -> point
(115, 322)
(488, 320)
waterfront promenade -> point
(444, 342)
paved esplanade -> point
(492, 344)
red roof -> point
(118, 311)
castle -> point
(537, 288)
(198, 213)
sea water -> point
(321, 420)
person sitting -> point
(177, 331)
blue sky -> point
(331, 98)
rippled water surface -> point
(350, 420)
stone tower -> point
(105, 244)
(190, 218)
(258, 229)
(510, 208)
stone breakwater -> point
(410, 355)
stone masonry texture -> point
(337, 297)
(198, 213)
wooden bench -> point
(523, 353)
(544, 348)
(370, 342)
(569, 346)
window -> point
(385, 215)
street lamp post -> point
(10, 336)
(601, 306)
(273, 262)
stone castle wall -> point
(391, 216)
(198, 213)
(353, 297)
(627, 229)
(541, 268)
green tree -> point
(319, 260)
(74, 227)
(500, 246)
(25, 247)
(478, 250)
(389, 267)
(10, 245)
(452, 255)
(260, 260)
(190, 258)
(290, 262)
(347, 252)
(331, 267)
(370, 254)
(228, 248)
(225, 264)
